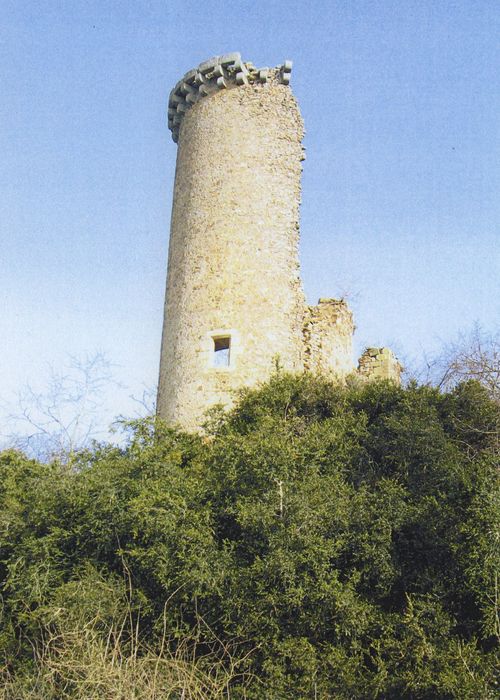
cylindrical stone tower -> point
(234, 300)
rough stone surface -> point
(328, 330)
(233, 264)
(233, 267)
(219, 72)
(379, 363)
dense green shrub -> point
(320, 541)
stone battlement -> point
(218, 73)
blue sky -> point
(401, 184)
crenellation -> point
(218, 73)
(233, 258)
(234, 298)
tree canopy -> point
(321, 541)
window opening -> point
(222, 351)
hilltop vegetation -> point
(321, 542)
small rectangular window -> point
(222, 351)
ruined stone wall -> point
(379, 363)
(233, 279)
(328, 330)
(233, 266)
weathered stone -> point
(238, 66)
(328, 329)
(186, 89)
(233, 282)
(378, 364)
(190, 76)
(208, 66)
(233, 260)
(229, 58)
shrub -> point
(318, 542)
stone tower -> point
(234, 302)
(234, 298)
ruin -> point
(234, 302)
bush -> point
(317, 542)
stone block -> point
(190, 76)
(208, 66)
(185, 88)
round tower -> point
(234, 301)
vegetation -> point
(474, 355)
(318, 542)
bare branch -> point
(474, 355)
(64, 417)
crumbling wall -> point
(328, 330)
(379, 363)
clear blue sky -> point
(401, 184)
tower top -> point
(218, 73)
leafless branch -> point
(474, 355)
(65, 416)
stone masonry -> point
(234, 302)
(379, 363)
(328, 330)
